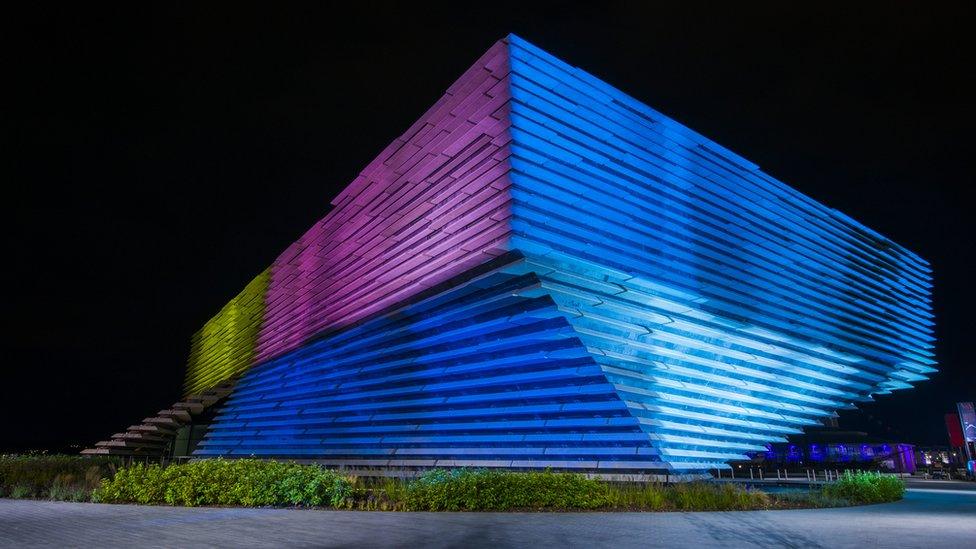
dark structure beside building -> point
(831, 447)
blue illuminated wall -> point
(663, 305)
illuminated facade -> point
(543, 271)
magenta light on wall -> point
(433, 204)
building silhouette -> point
(545, 272)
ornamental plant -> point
(244, 482)
(484, 490)
(866, 487)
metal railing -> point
(811, 475)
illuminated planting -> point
(544, 271)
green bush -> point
(483, 490)
(246, 482)
(138, 483)
(58, 477)
(377, 494)
(866, 487)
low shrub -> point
(484, 490)
(692, 496)
(66, 487)
(377, 494)
(637, 496)
(21, 491)
(252, 482)
(866, 487)
(138, 483)
(481, 490)
(59, 477)
(703, 496)
(807, 499)
(245, 482)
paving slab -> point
(935, 515)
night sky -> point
(156, 161)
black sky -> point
(156, 159)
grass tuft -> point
(243, 482)
(866, 487)
(58, 477)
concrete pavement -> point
(932, 515)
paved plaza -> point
(933, 514)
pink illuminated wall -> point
(433, 204)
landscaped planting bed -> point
(260, 483)
(67, 478)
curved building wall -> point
(545, 272)
(599, 176)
